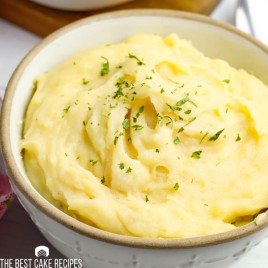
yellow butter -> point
(149, 138)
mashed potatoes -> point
(150, 138)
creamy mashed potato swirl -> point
(149, 138)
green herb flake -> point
(66, 110)
(174, 107)
(125, 124)
(227, 81)
(176, 140)
(118, 93)
(93, 162)
(121, 166)
(105, 67)
(206, 205)
(84, 122)
(129, 170)
(137, 127)
(196, 154)
(139, 62)
(190, 121)
(203, 137)
(85, 81)
(141, 109)
(157, 150)
(181, 129)
(176, 186)
(183, 101)
(238, 138)
(117, 135)
(103, 180)
(216, 136)
(146, 198)
(162, 91)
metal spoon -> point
(251, 17)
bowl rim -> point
(55, 214)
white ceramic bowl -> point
(98, 248)
(78, 5)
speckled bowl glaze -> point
(95, 247)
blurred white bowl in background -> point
(79, 5)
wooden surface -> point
(42, 21)
(19, 236)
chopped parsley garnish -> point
(238, 138)
(93, 162)
(137, 127)
(103, 180)
(227, 81)
(125, 124)
(190, 121)
(139, 62)
(121, 166)
(129, 170)
(105, 67)
(157, 150)
(176, 186)
(117, 135)
(85, 81)
(204, 136)
(176, 140)
(196, 154)
(188, 111)
(118, 92)
(120, 84)
(168, 119)
(67, 109)
(173, 107)
(183, 101)
(141, 109)
(84, 122)
(146, 198)
(216, 136)
(162, 91)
